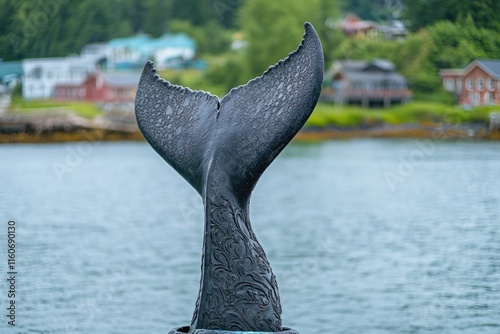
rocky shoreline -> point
(64, 127)
(431, 131)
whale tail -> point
(245, 131)
(222, 147)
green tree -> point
(457, 44)
(422, 13)
(210, 39)
(56, 28)
(328, 13)
(272, 28)
(374, 10)
(10, 36)
(201, 12)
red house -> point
(101, 87)
(477, 84)
(352, 25)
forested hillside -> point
(443, 33)
(39, 28)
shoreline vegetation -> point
(49, 121)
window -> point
(488, 98)
(468, 84)
(449, 84)
(480, 84)
(490, 84)
(36, 73)
(475, 98)
(396, 86)
(337, 84)
(357, 85)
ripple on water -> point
(115, 245)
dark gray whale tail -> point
(222, 147)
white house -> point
(43, 74)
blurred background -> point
(380, 217)
(419, 57)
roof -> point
(147, 45)
(375, 77)
(375, 65)
(382, 64)
(374, 71)
(114, 79)
(451, 72)
(350, 65)
(10, 68)
(121, 79)
(178, 40)
(58, 61)
(492, 66)
(352, 23)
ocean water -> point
(364, 236)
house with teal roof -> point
(11, 73)
(169, 50)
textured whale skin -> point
(222, 147)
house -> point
(173, 50)
(43, 74)
(352, 25)
(126, 52)
(368, 83)
(169, 50)
(395, 30)
(477, 84)
(101, 87)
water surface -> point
(364, 236)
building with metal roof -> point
(169, 50)
(368, 83)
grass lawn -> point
(417, 112)
(325, 114)
(83, 109)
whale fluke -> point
(222, 147)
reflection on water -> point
(364, 236)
